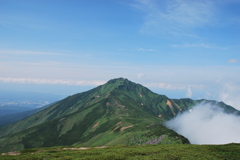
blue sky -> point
(181, 48)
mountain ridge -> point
(118, 112)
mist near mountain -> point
(207, 124)
(230, 94)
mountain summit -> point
(118, 112)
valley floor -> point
(168, 151)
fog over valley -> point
(207, 124)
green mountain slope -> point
(143, 97)
(11, 118)
(189, 103)
(118, 112)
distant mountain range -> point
(12, 102)
(14, 117)
(118, 112)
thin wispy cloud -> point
(191, 13)
(140, 75)
(169, 74)
(187, 45)
(29, 21)
(203, 45)
(233, 61)
(145, 50)
(174, 86)
(52, 81)
(27, 52)
(175, 16)
(165, 86)
(139, 49)
(189, 92)
(230, 94)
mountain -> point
(14, 117)
(11, 109)
(12, 102)
(118, 112)
(189, 102)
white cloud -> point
(52, 81)
(190, 13)
(189, 92)
(230, 94)
(27, 52)
(175, 86)
(219, 79)
(207, 124)
(233, 61)
(170, 77)
(226, 91)
(166, 85)
(146, 50)
(139, 49)
(140, 75)
(186, 45)
(175, 16)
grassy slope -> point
(112, 107)
(152, 103)
(111, 114)
(99, 117)
(177, 151)
(15, 117)
(66, 106)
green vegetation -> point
(11, 118)
(119, 112)
(167, 151)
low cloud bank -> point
(207, 124)
(52, 81)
